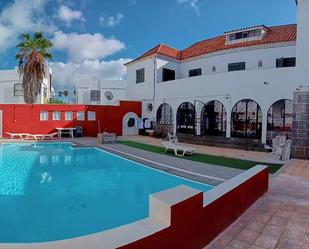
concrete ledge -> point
(217, 192)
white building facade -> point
(239, 84)
(99, 91)
(11, 91)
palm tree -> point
(32, 55)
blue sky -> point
(98, 36)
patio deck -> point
(279, 220)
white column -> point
(228, 124)
(264, 127)
(174, 121)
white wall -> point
(303, 42)
(141, 91)
(10, 77)
(85, 85)
(268, 57)
(7, 80)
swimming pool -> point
(52, 191)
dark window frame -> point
(95, 95)
(17, 92)
(168, 74)
(286, 62)
(195, 72)
(237, 66)
(140, 75)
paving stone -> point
(278, 221)
(255, 226)
(267, 241)
(263, 218)
(236, 244)
(273, 230)
(247, 236)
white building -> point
(11, 91)
(239, 84)
(99, 91)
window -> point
(168, 74)
(43, 116)
(56, 115)
(286, 62)
(80, 116)
(18, 90)
(95, 95)
(91, 116)
(68, 116)
(245, 34)
(140, 75)
(195, 72)
(237, 66)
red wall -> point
(26, 118)
(194, 226)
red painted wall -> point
(26, 118)
(194, 226)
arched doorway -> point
(213, 119)
(129, 125)
(185, 118)
(164, 120)
(280, 118)
(247, 119)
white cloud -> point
(22, 16)
(86, 46)
(111, 21)
(65, 74)
(191, 3)
(69, 15)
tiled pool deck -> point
(280, 219)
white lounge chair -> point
(172, 138)
(178, 149)
(19, 135)
(43, 136)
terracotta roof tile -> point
(276, 34)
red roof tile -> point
(276, 34)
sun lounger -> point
(19, 135)
(172, 138)
(178, 149)
(43, 136)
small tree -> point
(32, 55)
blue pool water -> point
(53, 191)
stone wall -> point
(300, 133)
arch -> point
(129, 125)
(247, 119)
(164, 119)
(280, 118)
(213, 119)
(186, 118)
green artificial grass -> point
(204, 158)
